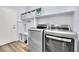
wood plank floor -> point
(16, 46)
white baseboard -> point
(1, 44)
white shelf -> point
(19, 21)
(53, 14)
(28, 18)
(24, 33)
(57, 13)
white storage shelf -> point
(24, 33)
(23, 36)
(49, 15)
(19, 21)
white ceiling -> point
(17, 8)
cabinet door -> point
(8, 20)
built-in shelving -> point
(57, 13)
(53, 14)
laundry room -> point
(39, 29)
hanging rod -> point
(30, 11)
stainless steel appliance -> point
(60, 39)
(36, 38)
(42, 26)
(61, 27)
(56, 39)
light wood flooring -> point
(16, 46)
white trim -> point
(8, 42)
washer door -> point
(57, 44)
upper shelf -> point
(53, 14)
(19, 21)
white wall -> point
(50, 9)
(76, 21)
(57, 19)
(19, 9)
(66, 19)
(7, 23)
